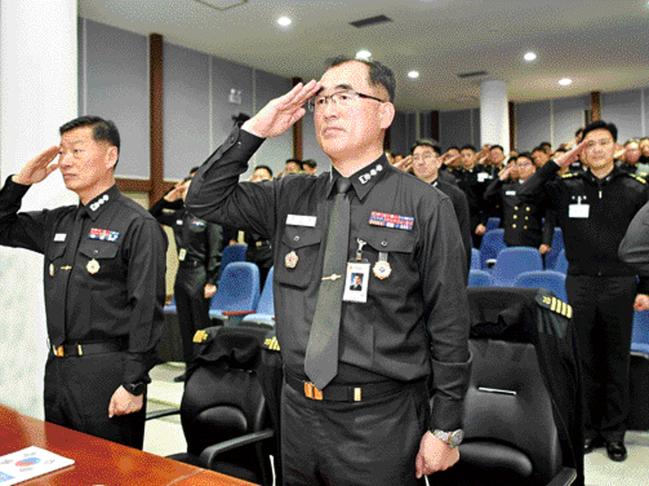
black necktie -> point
(321, 361)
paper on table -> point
(29, 463)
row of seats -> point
(543, 279)
(493, 242)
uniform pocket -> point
(298, 254)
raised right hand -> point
(38, 168)
(281, 113)
(571, 155)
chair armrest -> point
(209, 453)
(566, 477)
(237, 313)
(162, 413)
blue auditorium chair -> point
(480, 278)
(238, 292)
(546, 279)
(513, 261)
(265, 313)
(557, 246)
(640, 337)
(561, 265)
(232, 253)
(493, 223)
(475, 259)
(638, 418)
(492, 242)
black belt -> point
(191, 262)
(343, 393)
(83, 349)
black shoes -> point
(616, 451)
(590, 444)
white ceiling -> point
(603, 45)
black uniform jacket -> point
(202, 241)
(593, 213)
(523, 222)
(634, 249)
(104, 271)
(415, 321)
(461, 207)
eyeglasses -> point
(527, 163)
(602, 143)
(343, 99)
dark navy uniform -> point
(523, 222)
(367, 427)
(104, 275)
(200, 246)
(260, 252)
(594, 215)
(461, 208)
(471, 182)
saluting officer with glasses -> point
(355, 403)
(522, 221)
(594, 209)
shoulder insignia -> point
(638, 178)
(271, 343)
(200, 336)
(555, 305)
(568, 175)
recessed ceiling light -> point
(565, 82)
(363, 54)
(413, 74)
(284, 21)
(530, 56)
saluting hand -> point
(404, 164)
(281, 113)
(571, 155)
(38, 168)
(434, 455)
(122, 403)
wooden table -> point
(98, 461)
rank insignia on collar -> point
(93, 266)
(388, 220)
(291, 260)
(103, 234)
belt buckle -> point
(311, 391)
(58, 351)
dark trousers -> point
(78, 391)
(193, 308)
(353, 443)
(603, 315)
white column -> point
(38, 93)
(494, 114)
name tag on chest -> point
(301, 220)
(580, 211)
(510, 193)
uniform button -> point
(515, 216)
(296, 238)
(527, 208)
(525, 227)
(384, 243)
(514, 226)
(95, 252)
(526, 218)
(516, 208)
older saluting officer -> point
(355, 404)
(104, 268)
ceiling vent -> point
(379, 19)
(221, 4)
(472, 74)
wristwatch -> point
(452, 438)
(135, 388)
